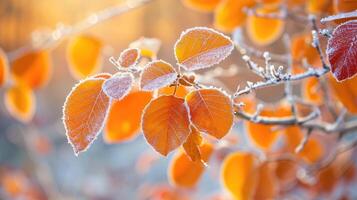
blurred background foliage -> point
(40, 149)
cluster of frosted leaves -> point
(342, 51)
(168, 109)
(96, 101)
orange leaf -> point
(257, 27)
(157, 74)
(118, 86)
(230, 14)
(312, 91)
(129, 57)
(181, 91)
(210, 48)
(239, 176)
(84, 113)
(124, 117)
(165, 123)
(192, 144)
(317, 6)
(185, 173)
(211, 111)
(313, 149)
(4, 68)
(345, 92)
(83, 54)
(20, 102)
(202, 5)
(285, 172)
(344, 6)
(267, 187)
(301, 47)
(32, 69)
(263, 135)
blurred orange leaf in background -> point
(185, 173)
(20, 101)
(4, 68)
(32, 69)
(230, 14)
(124, 117)
(262, 135)
(202, 5)
(257, 26)
(84, 55)
(345, 92)
(238, 174)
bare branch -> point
(339, 16)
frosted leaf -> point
(84, 113)
(342, 51)
(202, 47)
(157, 74)
(165, 123)
(129, 57)
(118, 86)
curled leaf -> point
(192, 144)
(210, 48)
(211, 111)
(118, 86)
(84, 113)
(165, 123)
(157, 74)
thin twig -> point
(52, 38)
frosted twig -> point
(345, 15)
(285, 78)
(316, 41)
(304, 140)
(61, 32)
